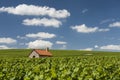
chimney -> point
(47, 49)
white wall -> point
(34, 54)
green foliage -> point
(61, 68)
(64, 65)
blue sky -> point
(60, 24)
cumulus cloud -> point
(110, 47)
(115, 24)
(41, 35)
(61, 42)
(85, 29)
(24, 9)
(42, 22)
(96, 46)
(7, 40)
(87, 49)
(39, 44)
(4, 47)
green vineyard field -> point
(61, 68)
(20, 53)
(64, 65)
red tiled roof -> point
(43, 52)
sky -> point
(60, 24)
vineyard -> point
(18, 53)
(61, 68)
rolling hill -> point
(56, 53)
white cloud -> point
(96, 46)
(61, 42)
(42, 22)
(115, 24)
(41, 35)
(7, 40)
(84, 29)
(106, 21)
(110, 47)
(63, 47)
(61, 36)
(22, 44)
(87, 49)
(39, 44)
(84, 11)
(103, 30)
(4, 47)
(20, 37)
(24, 9)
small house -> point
(36, 53)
